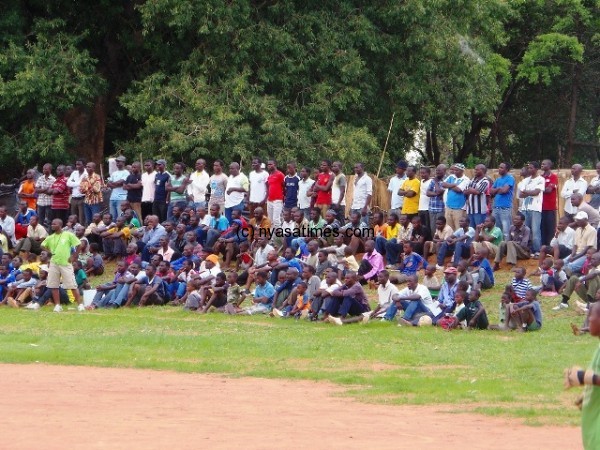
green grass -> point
(514, 374)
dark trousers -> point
(44, 214)
(146, 211)
(62, 214)
(548, 226)
(424, 216)
(344, 306)
(160, 209)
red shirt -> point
(323, 197)
(549, 200)
(60, 200)
(275, 186)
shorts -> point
(220, 300)
(534, 326)
(58, 274)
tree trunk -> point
(572, 115)
(471, 138)
(88, 126)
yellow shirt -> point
(411, 204)
(126, 232)
(392, 232)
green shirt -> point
(590, 411)
(177, 182)
(80, 277)
(60, 245)
(496, 233)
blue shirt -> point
(446, 295)
(521, 286)
(287, 284)
(436, 204)
(294, 262)
(537, 310)
(160, 192)
(504, 200)
(455, 200)
(291, 191)
(265, 291)
(24, 219)
(220, 224)
(485, 265)
(411, 263)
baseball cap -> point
(213, 259)
(161, 161)
(459, 166)
(450, 270)
(120, 158)
(402, 165)
(581, 215)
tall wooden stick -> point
(385, 146)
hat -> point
(120, 158)
(459, 166)
(213, 259)
(450, 270)
(161, 161)
(44, 267)
(402, 165)
(581, 215)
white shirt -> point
(363, 187)
(324, 286)
(148, 186)
(197, 188)
(569, 189)
(8, 226)
(258, 185)
(423, 199)
(385, 293)
(531, 184)
(236, 197)
(335, 190)
(395, 184)
(205, 220)
(566, 238)
(521, 188)
(118, 193)
(425, 295)
(260, 257)
(74, 181)
(303, 187)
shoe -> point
(57, 308)
(560, 306)
(277, 312)
(366, 316)
(390, 266)
(335, 320)
(35, 306)
(12, 302)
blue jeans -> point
(392, 251)
(120, 294)
(533, 219)
(197, 205)
(503, 220)
(459, 249)
(115, 208)
(476, 219)
(228, 211)
(380, 242)
(575, 265)
(90, 210)
(410, 307)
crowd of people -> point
(282, 244)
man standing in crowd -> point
(27, 190)
(396, 182)
(574, 185)
(549, 202)
(410, 190)
(91, 188)
(291, 181)
(455, 185)
(435, 192)
(134, 187)
(532, 195)
(476, 196)
(321, 189)
(115, 182)
(338, 192)
(148, 188)
(593, 189)
(424, 198)
(257, 195)
(162, 177)
(304, 188)
(218, 184)
(77, 198)
(176, 188)
(237, 186)
(275, 193)
(60, 195)
(197, 188)
(502, 190)
(363, 192)
(44, 199)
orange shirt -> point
(381, 230)
(300, 305)
(28, 187)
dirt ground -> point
(60, 407)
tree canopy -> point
(300, 80)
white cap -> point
(581, 215)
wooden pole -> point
(385, 146)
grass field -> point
(514, 374)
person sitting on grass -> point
(431, 281)
(446, 297)
(205, 277)
(459, 243)
(443, 231)
(105, 292)
(244, 259)
(410, 263)
(481, 269)
(300, 306)
(488, 236)
(590, 380)
(347, 300)
(561, 244)
(560, 276)
(322, 296)
(420, 235)
(214, 295)
(16, 290)
(371, 264)
(586, 323)
(585, 286)
(283, 291)
(235, 296)
(385, 293)
(463, 272)
(323, 263)
(447, 322)
(517, 246)
(149, 290)
(413, 299)
(262, 299)
(546, 274)
(473, 312)
(115, 239)
(80, 277)
(520, 284)
(94, 266)
(394, 246)
(229, 243)
(528, 313)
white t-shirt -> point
(118, 193)
(423, 199)
(363, 187)
(569, 189)
(235, 198)
(425, 295)
(148, 186)
(394, 185)
(258, 185)
(324, 286)
(385, 293)
(521, 188)
(335, 190)
(531, 184)
(566, 238)
(74, 181)
(260, 257)
(303, 187)
(198, 186)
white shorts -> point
(58, 274)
